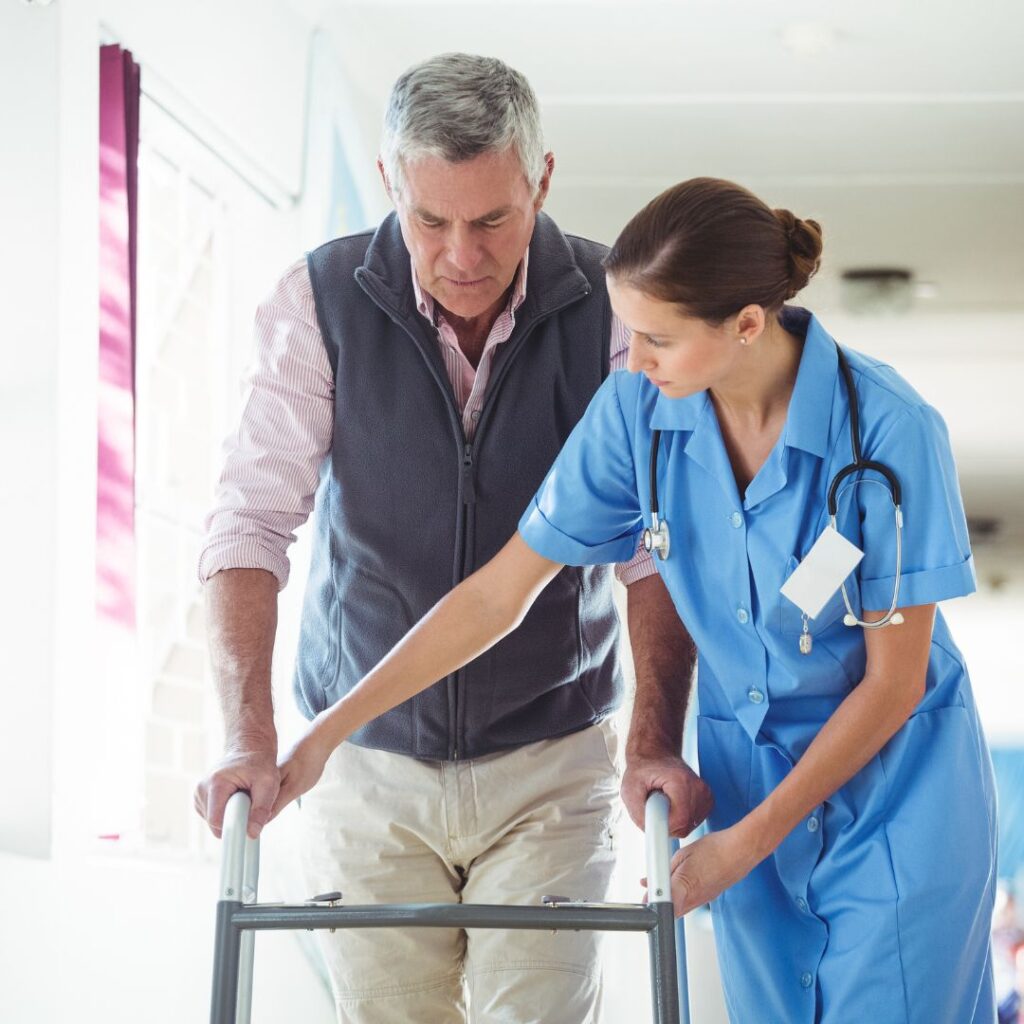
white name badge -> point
(822, 572)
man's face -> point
(467, 226)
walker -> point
(239, 917)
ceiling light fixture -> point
(876, 290)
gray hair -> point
(456, 106)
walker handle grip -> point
(239, 854)
(656, 837)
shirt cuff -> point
(926, 587)
(549, 541)
(639, 567)
(242, 554)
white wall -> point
(29, 260)
(88, 933)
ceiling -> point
(898, 126)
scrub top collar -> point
(808, 420)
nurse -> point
(850, 862)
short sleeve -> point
(936, 560)
(587, 511)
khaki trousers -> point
(506, 829)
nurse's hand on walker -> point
(705, 869)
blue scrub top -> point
(762, 702)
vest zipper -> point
(468, 483)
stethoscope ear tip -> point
(849, 620)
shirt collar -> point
(810, 407)
(428, 308)
(809, 419)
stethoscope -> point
(656, 538)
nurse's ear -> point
(749, 324)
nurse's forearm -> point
(465, 623)
(865, 721)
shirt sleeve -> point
(587, 511)
(272, 460)
(936, 560)
(641, 565)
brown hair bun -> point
(804, 238)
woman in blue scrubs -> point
(850, 862)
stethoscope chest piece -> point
(656, 537)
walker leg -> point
(664, 988)
(238, 871)
(681, 976)
(226, 957)
(250, 886)
(662, 939)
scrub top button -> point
(754, 695)
(806, 979)
(812, 824)
(742, 615)
(735, 520)
(801, 903)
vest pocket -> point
(539, 659)
(369, 617)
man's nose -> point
(464, 250)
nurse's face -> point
(467, 226)
(680, 355)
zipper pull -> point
(468, 487)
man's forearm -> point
(241, 622)
(663, 657)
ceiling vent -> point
(983, 528)
(875, 291)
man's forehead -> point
(475, 189)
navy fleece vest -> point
(406, 508)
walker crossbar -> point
(239, 917)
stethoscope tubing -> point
(657, 537)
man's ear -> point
(386, 180)
(545, 182)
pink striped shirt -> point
(272, 460)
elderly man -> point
(427, 373)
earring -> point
(744, 341)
